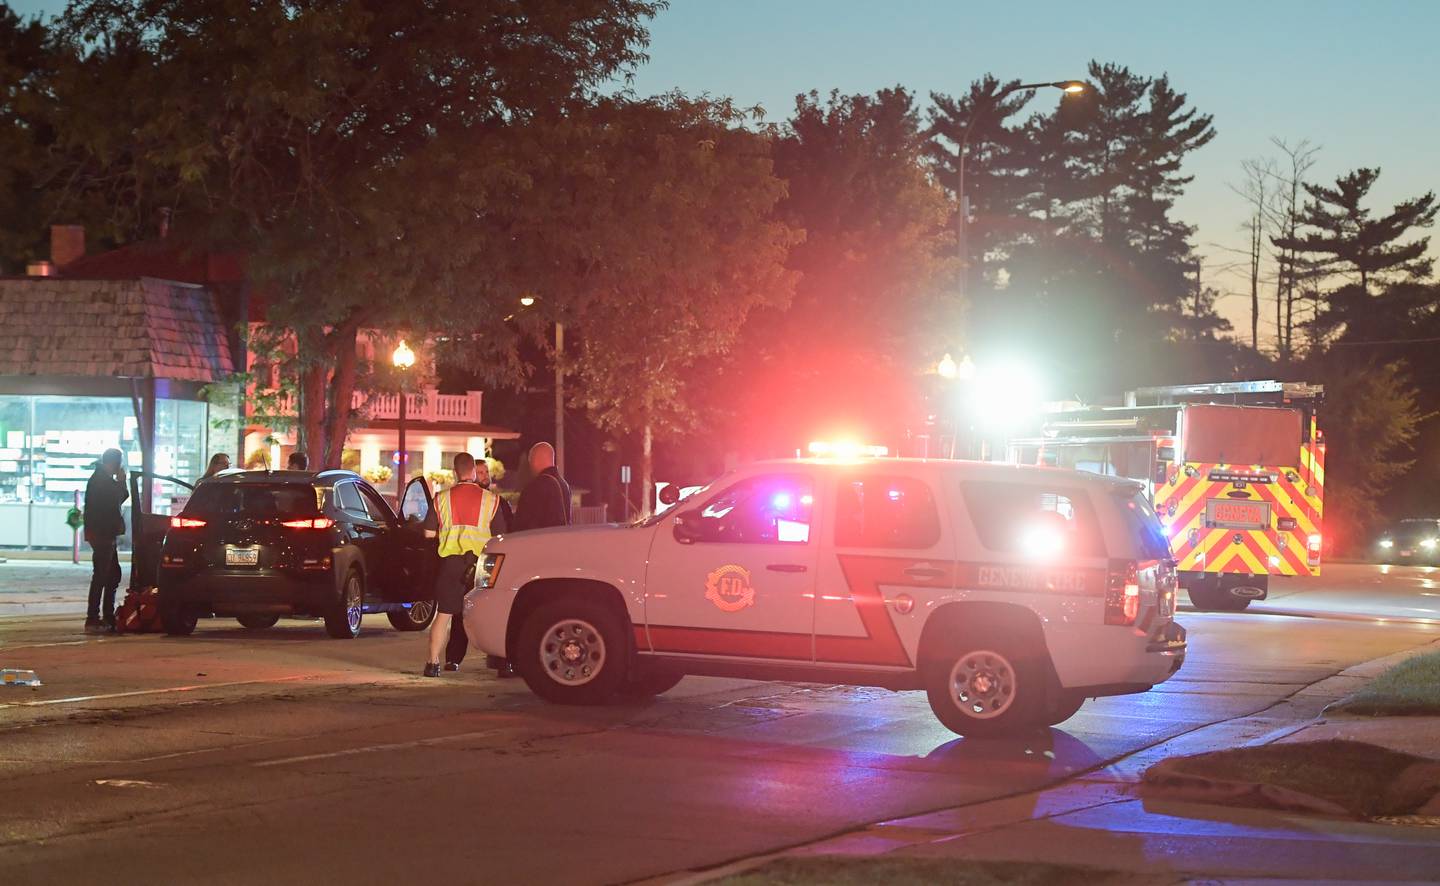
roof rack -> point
(1236, 391)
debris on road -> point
(18, 677)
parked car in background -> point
(1009, 594)
(259, 545)
(1410, 541)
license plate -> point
(1406, 553)
(242, 556)
(1237, 514)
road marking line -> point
(47, 645)
(79, 698)
(127, 783)
(369, 749)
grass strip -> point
(895, 870)
(1363, 778)
(1410, 688)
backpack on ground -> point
(139, 613)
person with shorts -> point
(464, 514)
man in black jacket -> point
(545, 500)
(104, 495)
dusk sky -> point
(1357, 79)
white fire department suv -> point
(1010, 594)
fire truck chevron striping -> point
(1236, 472)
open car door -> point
(420, 549)
(147, 531)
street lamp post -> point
(1070, 87)
(403, 359)
(528, 301)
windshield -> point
(1414, 530)
(253, 500)
(684, 497)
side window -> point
(347, 498)
(1034, 520)
(760, 510)
(379, 511)
(415, 505)
(885, 512)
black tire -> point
(564, 637)
(1213, 595)
(415, 618)
(342, 619)
(1065, 706)
(648, 682)
(177, 619)
(1003, 678)
(257, 622)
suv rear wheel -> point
(415, 617)
(342, 621)
(573, 651)
(257, 622)
(985, 686)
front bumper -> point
(487, 618)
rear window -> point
(1143, 524)
(1035, 520)
(253, 500)
(885, 512)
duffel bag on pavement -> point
(139, 613)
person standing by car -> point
(459, 644)
(464, 516)
(104, 494)
(218, 462)
(545, 500)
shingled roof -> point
(138, 328)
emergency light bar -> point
(846, 449)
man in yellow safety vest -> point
(466, 516)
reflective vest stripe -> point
(464, 513)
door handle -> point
(925, 572)
(785, 567)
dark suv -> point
(257, 545)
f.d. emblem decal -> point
(729, 588)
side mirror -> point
(670, 494)
(686, 532)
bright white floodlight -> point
(1007, 393)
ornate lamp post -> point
(403, 359)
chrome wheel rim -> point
(982, 684)
(572, 652)
(354, 603)
(421, 611)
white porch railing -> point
(424, 406)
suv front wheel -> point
(573, 651)
(987, 686)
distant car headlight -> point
(1386, 543)
(1429, 543)
(488, 571)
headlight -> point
(489, 570)
(1428, 543)
(1386, 543)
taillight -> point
(185, 523)
(1312, 548)
(1122, 595)
(310, 523)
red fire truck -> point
(1236, 472)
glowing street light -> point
(403, 359)
(947, 367)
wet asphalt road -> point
(281, 756)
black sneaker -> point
(94, 626)
(452, 666)
(432, 669)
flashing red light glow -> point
(845, 449)
(1122, 600)
(185, 523)
(309, 523)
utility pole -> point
(559, 398)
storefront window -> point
(49, 447)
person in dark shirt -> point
(545, 500)
(298, 461)
(104, 494)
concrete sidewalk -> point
(45, 587)
(1098, 818)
